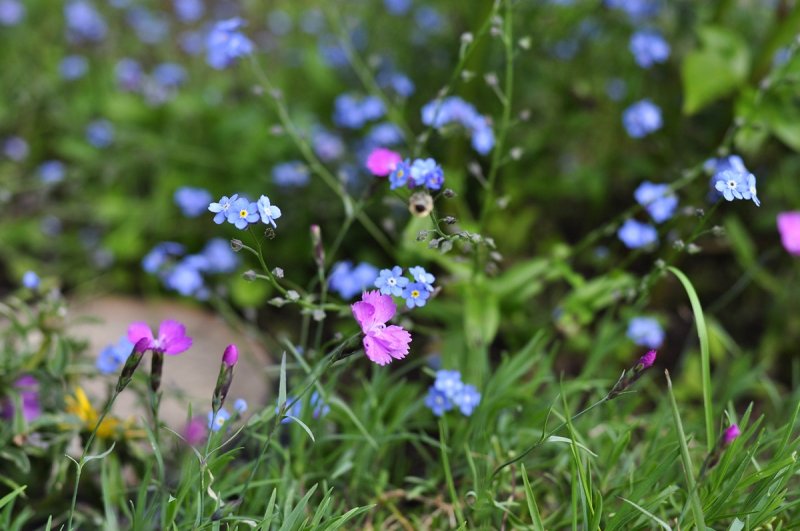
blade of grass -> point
(533, 509)
(688, 471)
(705, 359)
(448, 473)
(648, 514)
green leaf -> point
(481, 314)
(715, 70)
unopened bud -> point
(231, 355)
(316, 242)
(448, 193)
(730, 434)
(236, 245)
(449, 220)
(249, 275)
(132, 363)
(278, 272)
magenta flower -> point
(648, 359)
(230, 356)
(195, 431)
(730, 434)
(172, 338)
(789, 227)
(381, 343)
(382, 161)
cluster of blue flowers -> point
(448, 391)
(292, 173)
(439, 113)
(642, 118)
(731, 179)
(241, 212)
(157, 88)
(349, 281)
(416, 293)
(660, 202)
(186, 274)
(648, 48)
(352, 112)
(225, 44)
(645, 332)
(319, 407)
(420, 172)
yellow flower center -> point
(400, 173)
(243, 213)
(415, 293)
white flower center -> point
(732, 184)
(392, 281)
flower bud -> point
(647, 360)
(132, 363)
(730, 434)
(231, 355)
(316, 241)
(236, 245)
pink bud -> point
(382, 161)
(230, 356)
(142, 345)
(730, 434)
(648, 359)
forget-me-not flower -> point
(269, 213)
(448, 382)
(642, 118)
(438, 402)
(635, 234)
(467, 399)
(648, 48)
(645, 332)
(113, 356)
(222, 208)
(422, 276)
(225, 43)
(242, 212)
(391, 281)
(416, 294)
(400, 176)
(215, 423)
(659, 201)
(425, 172)
(192, 201)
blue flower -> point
(129, 74)
(649, 47)
(30, 280)
(425, 172)
(184, 278)
(215, 423)
(467, 399)
(15, 148)
(416, 294)
(391, 281)
(483, 140)
(352, 112)
(642, 118)
(222, 208)
(397, 7)
(400, 176)
(383, 134)
(240, 405)
(192, 42)
(225, 43)
(635, 234)
(730, 184)
(292, 173)
(188, 10)
(657, 199)
(219, 256)
(645, 332)
(11, 12)
(269, 213)
(328, 147)
(422, 276)
(52, 171)
(637, 10)
(84, 23)
(448, 383)
(150, 28)
(113, 356)
(100, 133)
(401, 84)
(438, 402)
(348, 281)
(160, 254)
(169, 75)
(73, 67)
(242, 212)
(191, 201)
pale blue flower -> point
(269, 213)
(635, 234)
(111, 358)
(438, 402)
(30, 280)
(642, 118)
(645, 332)
(448, 383)
(659, 201)
(215, 423)
(222, 208)
(648, 48)
(391, 281)
(242, 212)
(416, 294)
(467, 399)
(422, 276)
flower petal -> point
(376, 351)
(138, 330)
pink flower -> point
(382, 161)
(171, 338)
(195, 431)
(730, 434)
(381, 342)
(789, 227)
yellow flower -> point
(111, 427)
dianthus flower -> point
(789, 227)
(381, 162)
(381, 343)
(172, 338)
